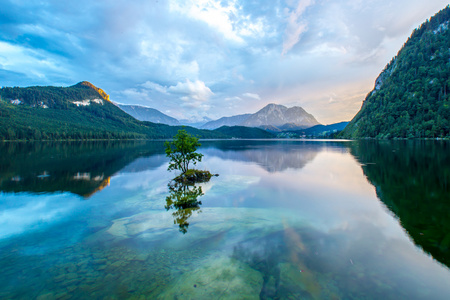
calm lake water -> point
(283, 220)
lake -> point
(285, 219)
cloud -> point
(225, 17)
(253, 96)
(36, 63)
(233, 98)
(172, 55)
(154, 86)
(140, 95)
(216, 14)
(196, 90)
(181, 99)
(295, 26)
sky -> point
(210, 58)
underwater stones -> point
(301, 283)
(148, 221)
(221, 277)
(270, 287)
(72, 282)
(140, 223)
(99, 261)
(46, 296)
(59, 278)
(71, 276)
(63, 296)
(82, 263)
(141, 257)
(297, 282)
(71, 288)
(129, 256)
(119, 264)
(118, 228)
(101, 267)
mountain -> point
(411, 97)
(314, 132)
(291, 126)
(226, 121)
(323, 130)
(81, 111)
(143, 113)
(271, 128)
(271, 115)
(196, 122)
(278, 115)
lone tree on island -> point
(182, 151)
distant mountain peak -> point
(271, 105)
(144, 113)
(271, 115)
(278, 115)
(84, 83)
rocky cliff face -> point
(226, 121)
(271, 115)
(278, 115)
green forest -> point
(411, 98)
(49, 113)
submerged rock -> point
(217, 278)
(298, 282)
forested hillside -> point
(244, 132)
(411, 97)
(82, 111)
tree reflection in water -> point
(183, 199)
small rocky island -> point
(193, 176)
(184, 193)
(181, 151)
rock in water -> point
(223, 278)
(193, 176)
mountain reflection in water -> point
(284, 220)
(82, 168)
(273, 156)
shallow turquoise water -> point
(283, 220)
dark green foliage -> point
(411, 98)
(244, 132)
(182, 151)
(318, 131)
